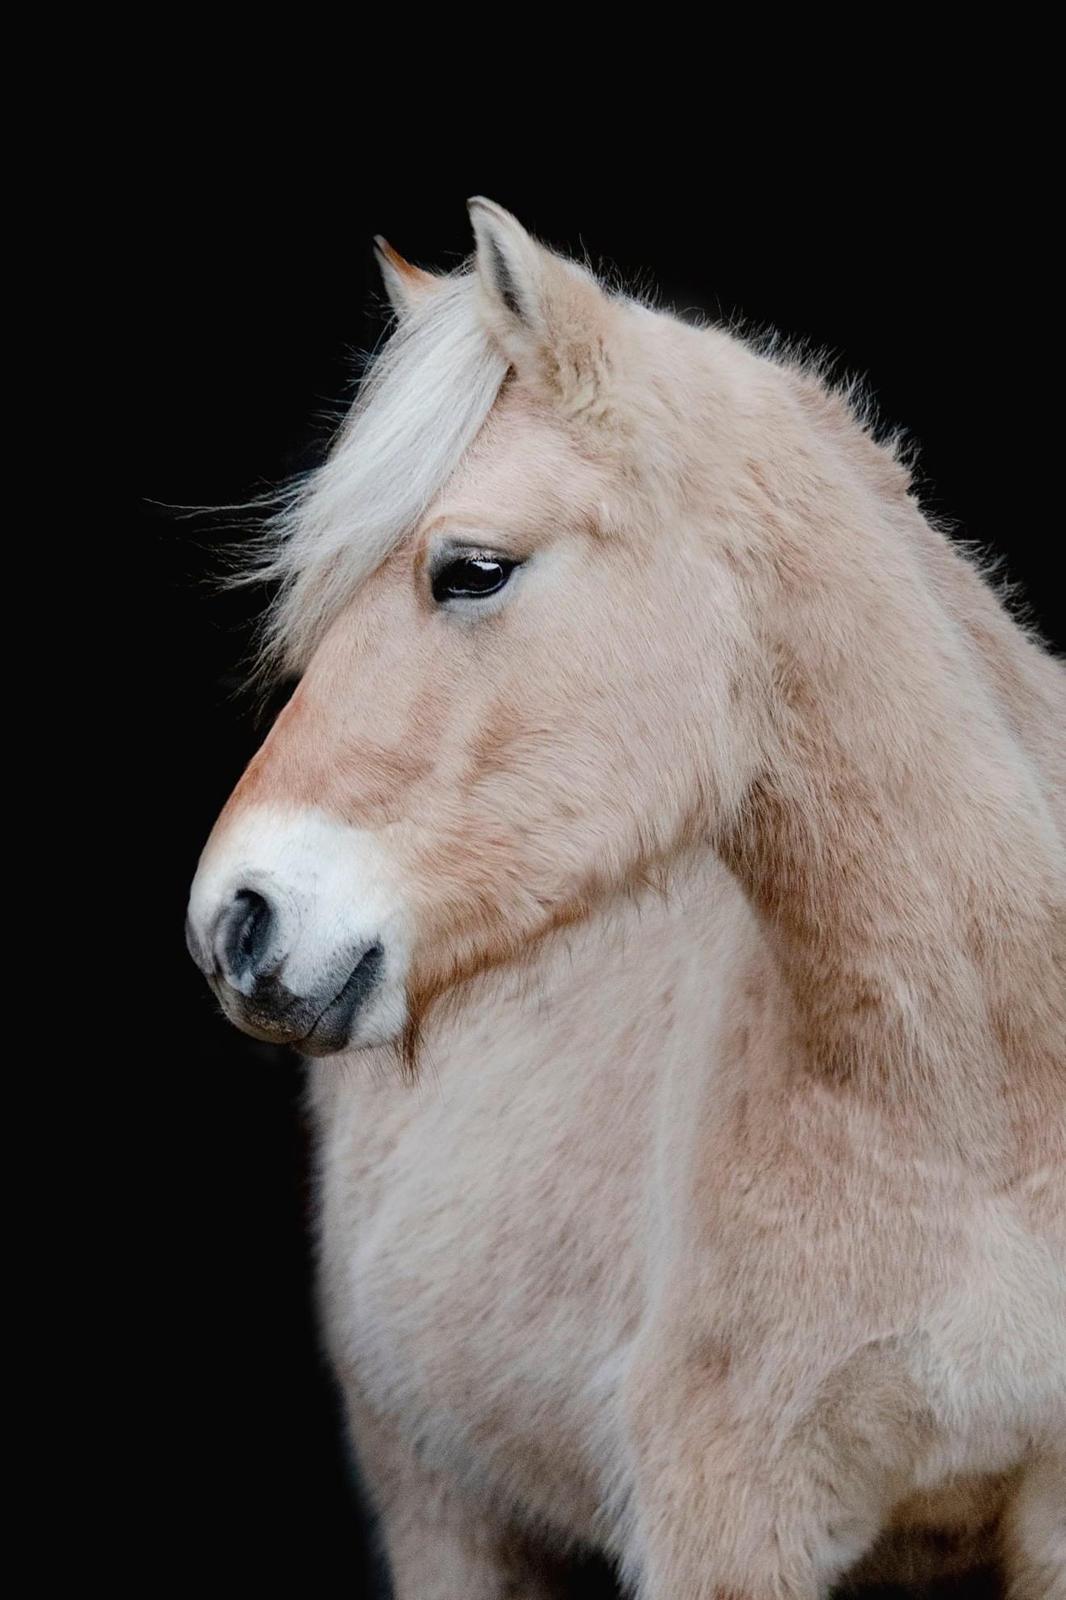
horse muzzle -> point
(293, 921)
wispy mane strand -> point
(419, 408)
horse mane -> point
(419, 407)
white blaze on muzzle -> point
(297, 921)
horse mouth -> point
(333, 1027)
(273, 1013)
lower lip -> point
(332, 1031)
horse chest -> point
(482, 1266)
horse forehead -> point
(522, 459)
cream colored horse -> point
(667, 845)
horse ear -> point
(405, 285)
(549, 316)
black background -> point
(251, 290)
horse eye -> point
(471, 577)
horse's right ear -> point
(549, 316)
(406, 286)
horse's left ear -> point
(549, 316)
(407, 286)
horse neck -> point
(899, 842)
(636, 983)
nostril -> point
(244, 934)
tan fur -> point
(725, 1228)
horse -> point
(661, 863)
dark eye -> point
(471, 577)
